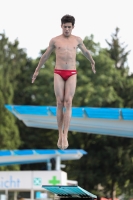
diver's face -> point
(67, 29)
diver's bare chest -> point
(69, 45)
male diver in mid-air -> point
(65, 73)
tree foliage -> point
(117, 50)
(9, 133)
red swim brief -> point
(65, 74)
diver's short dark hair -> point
(67, 19)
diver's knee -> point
(68, 103)
(60, 103)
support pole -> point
(58, 163)
(49, 166)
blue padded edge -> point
(8, 107)
(104, 113)
(40, 152)
(53, 110)
(127, 113)
(28, 110)
(77, 112)
(32, 110)
(91, 112)
(5, 153)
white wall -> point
(27, 180)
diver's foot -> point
(64, 142)
(59, 143)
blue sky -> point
(35, 22)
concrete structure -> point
(105, 121)
(29, 183)
(11, 157)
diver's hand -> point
(35, 75)
(93, 67)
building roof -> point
(105, 121)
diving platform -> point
(29, 156)
(104, 121)
(69, 192)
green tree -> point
(97, 90)
(9, 132)
(117, 50)
(39, 93)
